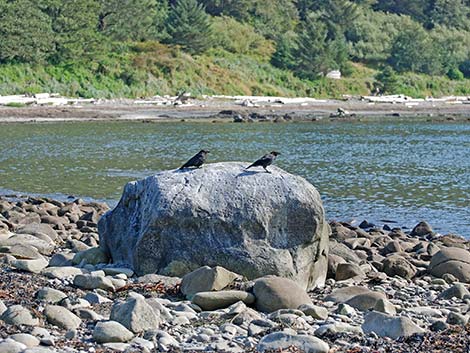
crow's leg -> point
(266, 169)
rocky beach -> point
(378, 289)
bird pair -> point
(200, 158)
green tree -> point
(286, 47)
(387, 81)
(417, 9)
(317, 54)
(25, 32)
(238, 9)
(414, 50)
(135, 20)
(74, 24)
(274, 18)
(450, 13)
(190, 26)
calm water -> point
(396, 171)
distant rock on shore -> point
(250, 222)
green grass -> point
(15, 105)
(149, 69)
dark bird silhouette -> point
(197, 160)
(265, 161)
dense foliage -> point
(141, 47)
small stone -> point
(11, 346)
(273, 293)
(34, 266)
(421, 229)
(396, 265)
(439, 326)
(346, 271)
(457, 319)
(93, 282)
(388, 326)
(206, 279)
(25, 338)
(61, 259)
(366, 301)
(3, 307)
(61, 272)
(384, 306)
(456, 291)
(346, 310)
(317, 312)
(91, 256)
(342, 295)
(135, 314)
(278, 341)
(95, 298)
(111, 331)
(19, 315)
(61, 317)
(50, 295)
(218, 300)
(337, 327)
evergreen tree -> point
(413, 50)
(387, 81)
(189, 26)
(74, 24)
(286, 46)
(135, 20)
(25, 32)
(450, 13)
(317, 54)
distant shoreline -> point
(201, 110)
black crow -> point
(197, 160)
(265, 161)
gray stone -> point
(61, 272)
(61, 259)
(343, 252)
(458, 291)
(111, 331)
(11, 346)
(25, 338)
(317, 312)
(246, 221)
(218, 300)
(273, 293)
(91, 256)
(95, 298)
(34, 266)
(384, 306)
(117, 346)
(278, 341)
(421, 229)
(206, 279)
(135, 314)
(19, 315)
(455, 261)
(439, 326)
(388, 326)
(346, 310)
(50, 295)
(44, 247)
(24, 252)
(88, 314)
(61, 317)
(457, 319)
(366, 301)
(342, 295)
(396, 265)
(93, 282)
(38, 230)
(347, 271)
(118, 270)
(3, 307)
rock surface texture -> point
(250, 222)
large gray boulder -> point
(250, 222)
(455, 261)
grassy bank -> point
(154, 69)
